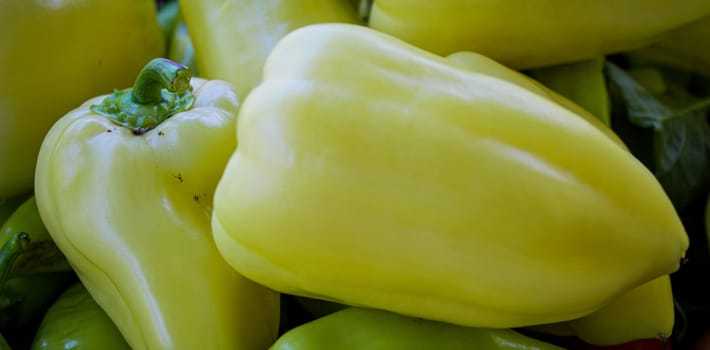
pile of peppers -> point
(354, 174)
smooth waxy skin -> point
(76, 321)
(484, 65)
(533, 33)
(355, 328)
(582, 82)
(646, 312)
(132, 215)
(391, 178)
(233, 37)
(53, 56)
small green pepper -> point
(8, 206)
(358, 328)
(34, 273)
(76, 321)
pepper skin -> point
(681, 48)
(233, 37)
(533, 33)
(76, 321)
(53, 56)
(376, 174)
(645, 312)
(582, 82)
(355, 328)
(8, 206)
(478, 63)
(128, 199)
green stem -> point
(161, 90)
(10, 251)
(158, 74)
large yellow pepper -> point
(124, 186)
(233, 37)
(55, 55)
(533, 33)
(376, 174)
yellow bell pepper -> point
(645, 312)
(683, 48)
(533, 33)
(124, 186)
(582, 82)
(482, 64)
(55, 55)
(376, 174)
(233, 37)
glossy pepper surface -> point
(76, 321)
(533, 33)
(125, 185)
(8, 206)
(356, 328)
(582, 82)
(481, 64)
(645, 312)
(396, 179)
(53, 56)
(233, 37)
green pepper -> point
(9, 205)
(125, 185)
(35, 275)
(76, 321)
(359, 328)
(54, 55)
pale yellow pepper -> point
(373, 173)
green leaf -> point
(681, 134)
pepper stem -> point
(161, 90)
(9, 252)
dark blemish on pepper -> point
(196, 198)
(179, 177)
